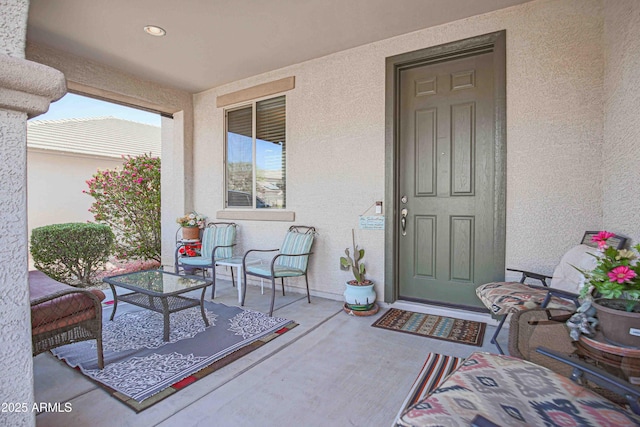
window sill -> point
(257, 215)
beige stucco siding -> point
(621, 151)
(55, 182)
(336, 138)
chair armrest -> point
(215, 248)
(177, 251)
(582, 370)
(46, 309)
(553, 292)
(529, 274)
(273, 261)
(96, 300)
(244, 257)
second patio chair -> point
(504, 298)
(292, 261)
(218, 240)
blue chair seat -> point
(279, 271)
(198, 261)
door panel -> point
(447, 173)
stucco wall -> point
(336, 135)
(621, 151)
(55, 182)
(25, 89)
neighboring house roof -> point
(97, 136)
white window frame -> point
(252, 212)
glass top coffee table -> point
(159, 291)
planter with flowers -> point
(360, 296)
(615, 285)
(191, 224)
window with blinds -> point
(256, 155)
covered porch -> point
(332, 369)
(572, 164)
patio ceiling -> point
(212, 42)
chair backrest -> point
(583, 257)
(298, 240)
(218, 234)
(616, 241)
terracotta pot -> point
(190, 233)
(619, 327)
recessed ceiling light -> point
(154, 30)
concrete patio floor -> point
(331, 370)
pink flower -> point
(621, 274)
(601, 239)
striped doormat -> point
(460, 331)
(435, 370)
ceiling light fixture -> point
(154, 30)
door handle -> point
(403, 221)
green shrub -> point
(71, 253)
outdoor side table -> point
(236, 262)
(159, 291)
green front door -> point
(449, 210)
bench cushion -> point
(510, 297)
(511, 391)
(65, 310)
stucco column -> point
(26, 89)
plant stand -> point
(357, 313)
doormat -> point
(141, 369)
(428, 325)
(435, 370)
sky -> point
(73, 106)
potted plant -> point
(615, 285)
(359, 295)
(191, 224)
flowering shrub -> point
(193, 219)
(617, 272)
(128, 200)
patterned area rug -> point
(439, 327)
(141, 369)
(435, 370)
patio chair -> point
(62, 314)
(218, 240)
(292, 261)
(504, 298)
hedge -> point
(71, 253)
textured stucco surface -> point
(621, 151)
(15, 321)
(13, 27)
(336, 137)
(26, 88)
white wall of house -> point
(55, 181)
(621, 151)
(336, 138)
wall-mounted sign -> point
(372, 222)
